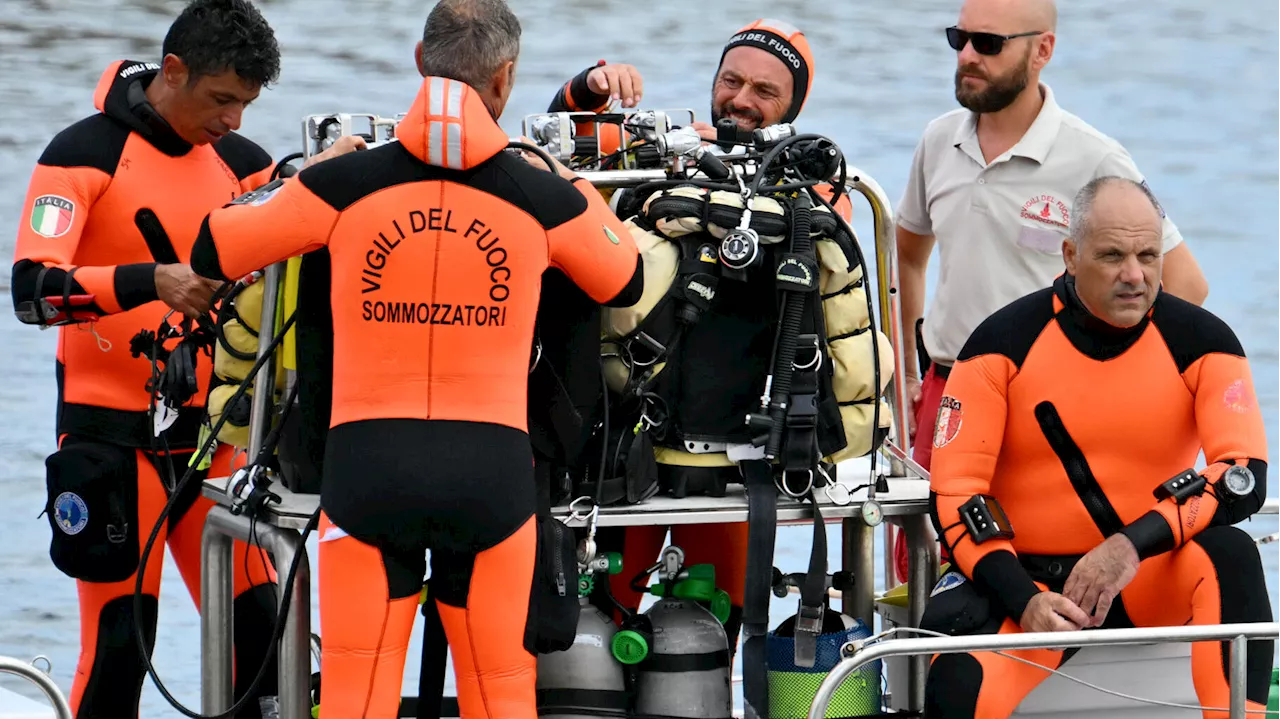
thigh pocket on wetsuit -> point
(92, 506)
(553, 598)
(957, 606)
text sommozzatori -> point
(439, 220)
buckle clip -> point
(808, 627)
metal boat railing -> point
(61, 708)
(1237, 634)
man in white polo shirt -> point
(991, 184)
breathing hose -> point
(792, 316)
(278, 629)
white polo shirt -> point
(1000, 227)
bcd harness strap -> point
(788, 430)
(651, 348)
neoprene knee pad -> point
(114, 685)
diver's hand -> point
(1101, 575)
(705, 131)
(184, 290)
(343, 145)
(914, 394)
(1052, 612)
(537, 161)
(619, 82)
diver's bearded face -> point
(752, 87)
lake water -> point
(1188, 87)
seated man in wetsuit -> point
(1062, 481)
(437, 245)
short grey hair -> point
(469, 40)
(1082, 205)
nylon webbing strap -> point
(800, 438)
(810, 614)
(762, 523)
(800, 457)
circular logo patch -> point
(71, 513)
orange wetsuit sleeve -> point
(257, 179)
(279, 220)
(59, 200)
(577, 96)
(597, 252)
(1231, 433)
(970, 429)
(842, 205)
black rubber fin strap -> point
(1078, 471)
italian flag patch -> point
(51, 215)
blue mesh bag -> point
(792, 688)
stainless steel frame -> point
(264, 382)
(294, 669)
(61, 708)
(1237, 634)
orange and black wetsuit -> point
(82, 251)
(1071, 425)
(577, 96)
(437, 245)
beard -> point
(999, 93)
(746, 119)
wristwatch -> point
(1238, 480)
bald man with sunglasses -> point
(991, 185)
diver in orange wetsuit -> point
(437, 245)
(112, 208)
(764, 77)
(1079, 410)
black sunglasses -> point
(984, 43)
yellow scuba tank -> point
(234, 354)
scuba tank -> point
(585, 681)
(679, 648)
(792, 688)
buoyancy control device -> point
(678, 649)
(688, 360)
(585, 681)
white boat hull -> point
(16, 706)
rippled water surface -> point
(1188, 87)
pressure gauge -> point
(1238, 480)
(872, 514)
